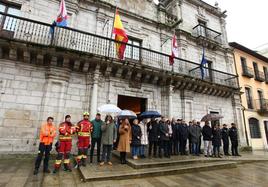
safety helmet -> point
(85, 114)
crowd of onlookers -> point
(164, 138)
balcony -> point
(35, 33)
(259, 76)
(262, 106)
(247, 72)
(208, 35)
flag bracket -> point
(165, 41)
(193, 69)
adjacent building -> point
(252, 69)
(76, 69)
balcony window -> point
(265, 74)
(8, 24)
(249, 98)
(133, 52)
(246, 71)
(254, 128)
(259, 76)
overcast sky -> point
(247, 21)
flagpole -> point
(109, 47)
(172, 70)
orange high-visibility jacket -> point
(47, 133)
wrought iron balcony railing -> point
(259, 76)
(208, 33)
(35, 32)
(247, 72)
(262, 105)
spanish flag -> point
(120, 36)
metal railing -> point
(35, 32)
(205, 32)
(262, 105)
(259, 76)
(247, 71)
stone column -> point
(170, 102)
(94, 95)
(178, 6)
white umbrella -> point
(127, 114)
(109, 108)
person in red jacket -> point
(66, 130)
(84, 129)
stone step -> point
(130, 173)
(184, 160)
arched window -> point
(254, 128)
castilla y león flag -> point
(174, 50)
(120, 36)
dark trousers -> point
(170, 147)
(164, 144)
(183, 143)
(175, 147)
(152, 146)
(190, 146)
(123, 156)
(43, 149)
(98, 142)
(234, 148)
(199, 145)
(226, 147)
(106, 153)
(216, 150)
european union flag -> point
(202, 65)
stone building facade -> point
(77, 70)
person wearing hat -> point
(225, 139)
(66, 130)
(84, 129)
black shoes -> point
(35, 171)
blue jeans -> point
(106, 153)
(195, 150)
(135, 150)
(142, 150)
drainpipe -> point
(243, 109)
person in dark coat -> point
(189, 138)
(175, 137)
(195, 133)
(200, 138)
(164, 138)
(233, 133)
(183, 134)
(153, 133)
(225, 139)
(170, 134)
(216, 141)
(136, 139)
(207, 137)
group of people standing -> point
(166, 138)
(163, 137)
(89, 134)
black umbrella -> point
(150, 114)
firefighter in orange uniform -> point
(66, 130)
(84, 129)
(47, 135)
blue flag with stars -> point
(202, 65)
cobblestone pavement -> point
(18, 172)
